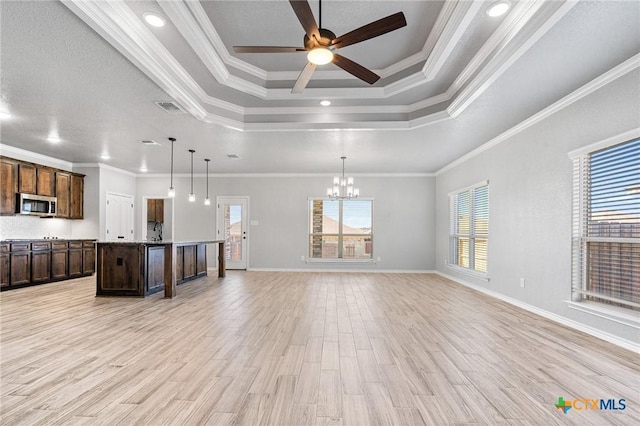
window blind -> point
(606, 226)
(470, 228)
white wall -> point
(530, 201)
(404, 217)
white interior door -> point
(232, 227)
(119, 217)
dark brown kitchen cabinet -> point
(59, 260)
(45, 181)
(27, 182)
(63, 193)
(20, 263)
(32, 262)
(22, 177)
(4, 265)
(75, 259)
(40, 262)
(88, 258)
(155, 210)
(76, 196)
(8, 186)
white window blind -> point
(606, 226)
(469, 237)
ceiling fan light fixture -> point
(320, 56)
(498, 8)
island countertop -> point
(143, 267)
(163, 242)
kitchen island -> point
(142, 268)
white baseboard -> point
(368, 271)
(618, 341)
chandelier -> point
(342, 186)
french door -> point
(232, 227)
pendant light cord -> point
(192, 151)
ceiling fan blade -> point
(304, 78)
(267, 49)
(355, 69)
(374, 29)
(305, 16)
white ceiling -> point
(452, 79)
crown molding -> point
(24, 155)
(459, 20)
(288, 175)
(610, 76)
(536, 27)
(117, 23)
(210, 32)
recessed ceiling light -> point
(154, 20)
(498, 9)
(325, 103)
(53, 139)
(4, 115)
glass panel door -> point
(232, 227)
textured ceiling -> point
(452, 79)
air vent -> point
(233, 156)
(170, 107)
(150, 142)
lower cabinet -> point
(20, 268)
(4, 265)
(39, 262)
(191, 262)
(59, 260)
(75, 259)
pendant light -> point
(192, 196)
(172, 192)
(342, 188)
(207, 201)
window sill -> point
(340, 261)
(470, 272)
(611, 313)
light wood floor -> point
(260, 348)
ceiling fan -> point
(321, 43)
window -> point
(469, 237)
(340, 229)
(606, 226)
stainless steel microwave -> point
(37, 205)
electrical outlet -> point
(522, 282)
(302, 258)
(379, 259)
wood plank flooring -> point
(275, 348)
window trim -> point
(580, 192)
(472, 236)
(310, 259)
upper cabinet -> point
(27, 181)
(45, 181)
(8, 185)
(77, 196)
(155, 210)
(63, 191)
(28, 178)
